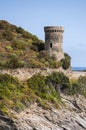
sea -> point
(79, 68)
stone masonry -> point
(53, 41)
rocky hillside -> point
(43, 98)
(19, 48)
(42, 102)
(72, 116)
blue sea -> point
(79, 68)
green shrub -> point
(19, 30)
(37, 82)
(44, 91)
(59, 81)
(33, 47)
(66, 61)
(19, 53)
(6, 78)
(53, 64)
(33, 63)
(21, 64)
(48, 61)
(9, 48)
(1, 55)
(78, 86)
(18, 45)
(10, 92)
(82, 84)
(40, 45)
(27, 35)
(35, 38)
(3, 64)
(75, 88)
(14, 62)
(8, 35)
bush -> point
(53, 63)
(33, 63)
(82, 84)
(27, 35)
(18, 45)
(9, 48)
(6, 78)
(21, 64)
(3, 64)
(48, 61)
(33, 47)
(8, 35)
(10, 92)
(75, 88)
(59, 81)
(20, 30)
(37, 82)
(39, 45)
(66, 61)
(46, 92)
(13, 94)
(14, 62)
(78, 86)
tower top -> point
(53, 29)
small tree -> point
(14, 62)
(66, 61)
(59, 81)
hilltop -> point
(20, 48)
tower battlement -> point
(53, 29)
(54, 40)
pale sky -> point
(33, 15)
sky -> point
(33, 15)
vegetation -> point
(15, 95)
(66, 61)
(39, 85)
(27, 48)
(44, 90)
(59, 81)
(79, 86)
(18, 47)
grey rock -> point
(72, 116)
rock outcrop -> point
(70, 116)
(25, 73)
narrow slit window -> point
(50, 45)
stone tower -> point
(53, 41)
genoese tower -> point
(54, 41)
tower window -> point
(50, 45)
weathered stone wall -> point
(53, 41)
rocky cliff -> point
(71, 116)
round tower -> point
(54, 40)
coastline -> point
(76, 74)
